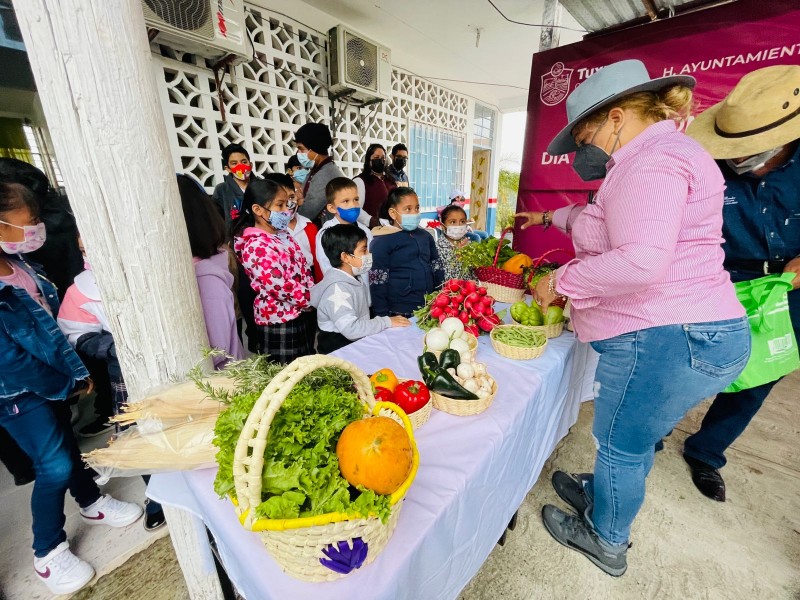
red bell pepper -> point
(411, 396)
(383, 395)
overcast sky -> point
(512, 140)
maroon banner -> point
(716, 46)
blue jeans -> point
(730, 414)
(645, 383)
(43, 432)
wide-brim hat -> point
(762, 112)
(604, 87)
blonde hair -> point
(675, 102)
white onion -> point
(437, 340)
(459, 345)
(452, 326)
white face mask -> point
(754, 163)
(34, 238)
(366, 265)
(456, 232)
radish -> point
(481, 291)
(454, 286)
(441, 300)
(485, 324)
(473, 329)
(457, 300)
(469, 286)
(474, 297)
(464, 317)
(436, 312)
(479, 309)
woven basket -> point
(550, 331)
(297, 544)
(472, 341)
(463, 408)
(515, 352)
(419, 417)
(501, 285)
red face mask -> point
(241, 171)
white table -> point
(474, 473)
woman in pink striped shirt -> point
(647, 287)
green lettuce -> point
(301, 475)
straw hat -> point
(762, 112)
(602, 88)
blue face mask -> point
(305, 161)
(300, 175)
(279, 220)
(349, 215)
(410, 222)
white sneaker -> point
(61, 571)
(111, 512)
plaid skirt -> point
(284, 342)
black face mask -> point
(400, 162)
(590, 162)
(378, 165)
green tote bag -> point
(774, 347)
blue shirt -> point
(761, 216)
(400, 176)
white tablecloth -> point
(474, 473)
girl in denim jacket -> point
(40, 370)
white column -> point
(94, 74)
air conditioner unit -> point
(208, 28)
(359, 68)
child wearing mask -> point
(301, 228)
(278, 272)
(344, 206)
(451, 237)
(342, 299)
(40, 370)
(406, 264)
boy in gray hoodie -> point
(342, 298)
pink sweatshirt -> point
(649, 249)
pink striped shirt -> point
(648, 250)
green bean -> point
(521, 337)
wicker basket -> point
(419, 417)
(472, 341)
(550, 331)
(297, 544)
(501, 285)
(463, 408)
(515, 352)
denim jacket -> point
(35, 356)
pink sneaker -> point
(61, 571)
(111, 512)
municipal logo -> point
(555, 84)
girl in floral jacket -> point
(278, 272)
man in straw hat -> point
(753, 133)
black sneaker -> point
(573, 532)
(153, 515)
(97, 427)
(569, 488)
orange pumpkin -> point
(375, 453)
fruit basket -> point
(539, 343)
(501, 285)
(322, 547)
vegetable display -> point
(375, 454)
(459, 299)
(301, 469)
(481, 254)
(455, 375)
(520, 337)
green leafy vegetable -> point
(301, 471)
(481, 254)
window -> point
(483, 130)
(436, 160)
